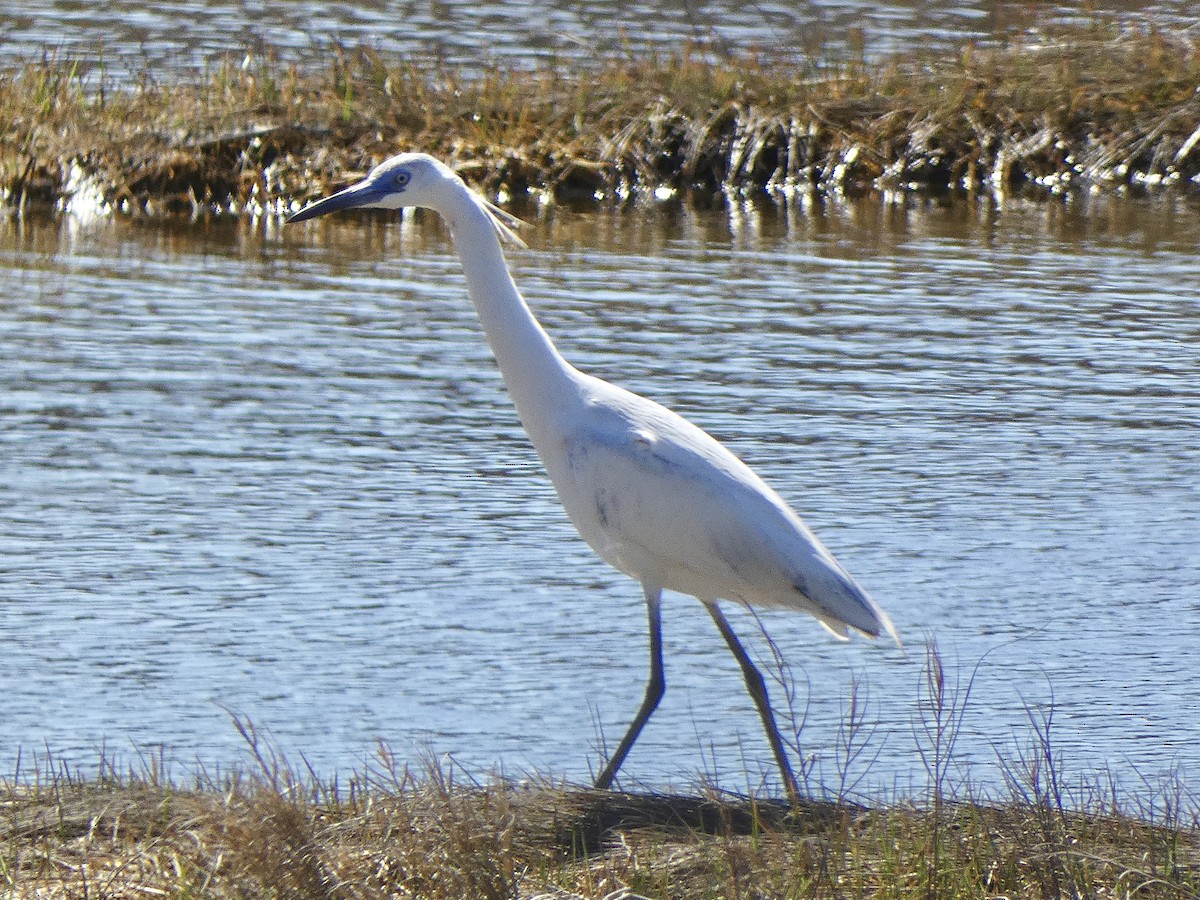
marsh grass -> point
(278, 830)
(1096, 105)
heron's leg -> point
(758, 692)
(654, 687)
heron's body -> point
(662, 501)
(655, 496)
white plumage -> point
(655, 496)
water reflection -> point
(278, 472)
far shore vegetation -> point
(279, 830)
(1091, 106)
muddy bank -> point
(1090, 108)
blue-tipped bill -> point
(365, 193)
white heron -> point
(655, 496)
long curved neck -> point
(529, 362)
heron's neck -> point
(529, 362)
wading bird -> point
(654, 496)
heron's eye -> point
(401, 179)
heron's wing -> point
(660, 498)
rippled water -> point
(191, 34)
(277, 473)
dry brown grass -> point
(1096, 105)
(390, 833)
(281, 832)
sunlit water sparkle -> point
(276, 473)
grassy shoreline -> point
(387, 830)
(1085, 107)
(393, 833)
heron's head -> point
(410, 179)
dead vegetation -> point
(432, 837)
(386, 831)
(1097, 106)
